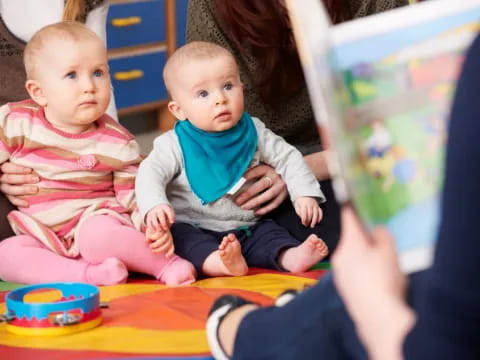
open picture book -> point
(381, 89)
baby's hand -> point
(160, 218)
(160, 241)
(308, 210)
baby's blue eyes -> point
(73, 74)
(204, 93)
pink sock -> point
(25, 260)
(110, 271)
(103, 236)
(177, 272)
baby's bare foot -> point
(230, 252)
(302, 257)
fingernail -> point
(35, 179)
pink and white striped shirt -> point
(80, 174)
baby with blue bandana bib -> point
(187, 185)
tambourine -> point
(77, 310)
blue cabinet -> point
(181, 17)
(139, 39)
(137, 79)
(136, 23)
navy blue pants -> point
(446, 297)
(261, 243)
(328, 229)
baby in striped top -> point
(83, 224)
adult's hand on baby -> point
(160, 241)
(308, 210)
(266, 193)
(17, 181)
(160, 218)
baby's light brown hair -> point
(74, 10)
(195, 50)
(64, 30)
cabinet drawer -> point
(181, 10)
(138, 79)
(136, 23)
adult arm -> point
(317, 162)
(17, 181)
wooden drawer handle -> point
(128, 75)
(129, 21)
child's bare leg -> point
(301, 258)
(227, 260)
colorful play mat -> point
(146, 320)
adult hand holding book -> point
(381, 89)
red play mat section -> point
(146, 319)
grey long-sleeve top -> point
(162, 179)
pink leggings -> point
(108, 249)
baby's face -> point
(209, 93)
(74, 79)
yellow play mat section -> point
(146, 320)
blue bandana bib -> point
(215, 162)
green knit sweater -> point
(293, 119)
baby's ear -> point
(176, 110)
(36, 93)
